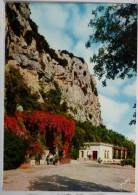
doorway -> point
(82, 154)
(94, 155)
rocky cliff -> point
(40, 65)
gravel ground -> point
(77, 176)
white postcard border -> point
(2, 62)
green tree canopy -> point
(115, 28)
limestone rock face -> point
(40, 65)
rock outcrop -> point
(40, 65)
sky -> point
(65, 27)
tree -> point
(133, 121)
(17, 92)
(115, 27)
(14, 150)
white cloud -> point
(109, 90)
(130, 90)
(113, 112)
(57, 20)
(131, 134)
(52, 21)
(81, 21)
(56, 16)
(80, 27)
(116, 87)
(59, 39)
(81, 51)
(52, 15)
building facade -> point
(104, 151)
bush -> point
(52, 100)
(74, 153)
(66, 52)
(18, 6)
(13, 20)
(128, 162)
(15, 87)
(62, 62)
(81, 59)
(28, 37)
(41, 43)
(34, 27)
(95, 92)
(64, 107)
(14, 151)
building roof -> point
(120, 148)
(97, 144)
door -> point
(82, 154)
(94, 155)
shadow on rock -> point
(60, 183)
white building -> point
(104, 151)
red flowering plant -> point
(14, 125)
(62, 128)
(56, 129)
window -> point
(108, 154)
(82, 154)
(105, 154)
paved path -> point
(78, 176)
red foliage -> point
(59, 124)
(14, 126)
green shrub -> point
(33, 25)
(63, 62)
(41, 43)
(95, 92)
(74, 153)
(81, 59)
(52, 53)
(14, 151)
(64, 107)
(15, 87)
(131, 149)
(28, 37)
(128, 162)
(13, 20)
(71, 55)
(66, 52)
(18, 6)
(52, 99)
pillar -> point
(116, 155)
(125, 154)
(121, 156)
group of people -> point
(51, 158)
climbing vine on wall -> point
(54, 127)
